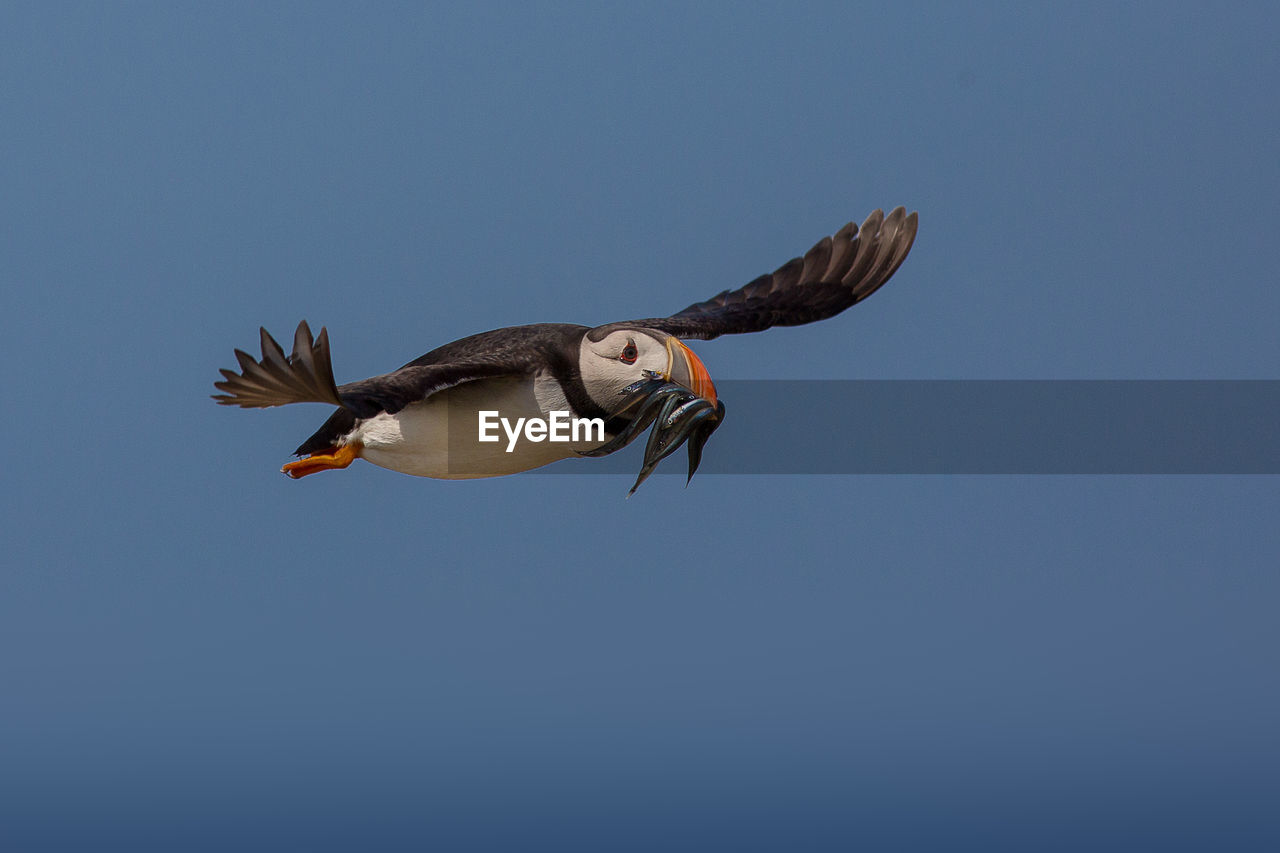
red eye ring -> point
(629, 353)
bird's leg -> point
(340, 457)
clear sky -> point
(196, 652)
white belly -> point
(439, 437)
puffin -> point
(429, 417)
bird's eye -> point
(629, 353)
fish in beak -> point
(685, 368)
(681, 405)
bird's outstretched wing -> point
(306, 376)
(836, 274)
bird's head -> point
(615, 357)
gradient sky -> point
(196, 653)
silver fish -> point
(679, 415)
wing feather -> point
(306, 376)
(837, 273)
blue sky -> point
(196, 651)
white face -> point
(619, 359)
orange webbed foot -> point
(339, 457)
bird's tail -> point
(305, 376)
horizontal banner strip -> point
(982, 427)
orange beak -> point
(685, 368)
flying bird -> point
(426, 418)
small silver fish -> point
(680, 415)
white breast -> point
(439, 437)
